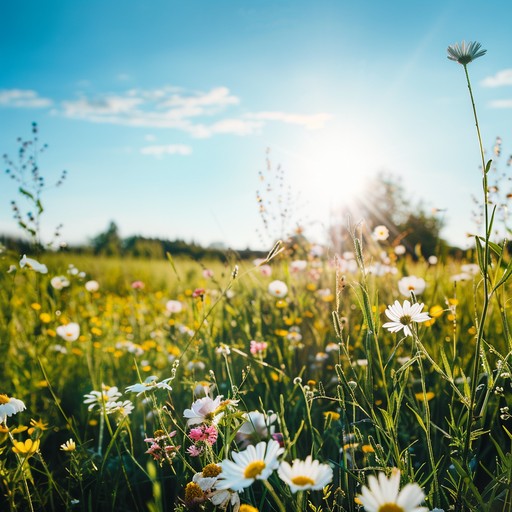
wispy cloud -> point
(501, 78)
(22, 98)
(501, 104)
(201, 114)
(311, 122)
(169, 149)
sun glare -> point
(329, 173)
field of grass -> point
(307, 356)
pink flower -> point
(194, 451)
(257, 347)
(198, 292)
(196, 434)
(266, 270)
(138, 285)
(211, 435)
(207, 273)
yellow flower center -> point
(4, 399)
(212, 470)
(247, 508)
(254, 469)
(405, 320)
(390, 507)
(302, 480)
(193, 492)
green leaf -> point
(488, 166)
(26, 193)
(497, 249)
(39, 206)
(171, 261)
(505, 277)
(480, 255)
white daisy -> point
(149, 384)
(107, 395)
(381, 233)
(464, 53)
(305, 474)
(278, 289)
(383, 495)
(92, 286)
(254, 463)
(257, 426)
(33, 264)
(174, 306)
(9, 406)
(409, 284)
(59, 282)
(69, 332)
(402, 316)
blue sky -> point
(162, 111)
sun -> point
(328, 173)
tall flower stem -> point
(485, 307)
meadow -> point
(371, 378)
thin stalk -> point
(485, 307)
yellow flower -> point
(51, 333)
(436, 311)
(472, 330)
(453, 302)
(419, 396)
(331, 415)
(68, 446)
(35, 306)
(96, 331)
(367, 448)
(39, 424)
(280, 304)
(26, 448)
(247, 508)
(45, 318)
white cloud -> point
(170, 149)
(501, 78)
(22, 98)
(311, 122)
(501, 104)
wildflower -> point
(277, 289)
(101, 398)
(470, 268)
(68, 446)
(138, 285)
(33, 264)
(207, 273)
(206, 434)
(400, 250)
(381, 233)
(9, 406)
(258, 347)
(254, 463)
(69, 332)
(464, 53)
(305, 474)
(39, 424)
(59, 282)
(409, 284)
(92, 286)
(122, 408)
(194, 494)
(45, 318)
(463, 276)
(162, 448)
(429, 395)
(149, 384)
(298, 265)
(204, 410)
(266, 270)
(402, 316)
(432, 260)
(174, 306)
(247, 508)
(198, 293)
(257, 426)
(27, 448)
(383, 495)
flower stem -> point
(272, 492)
(485, 307)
